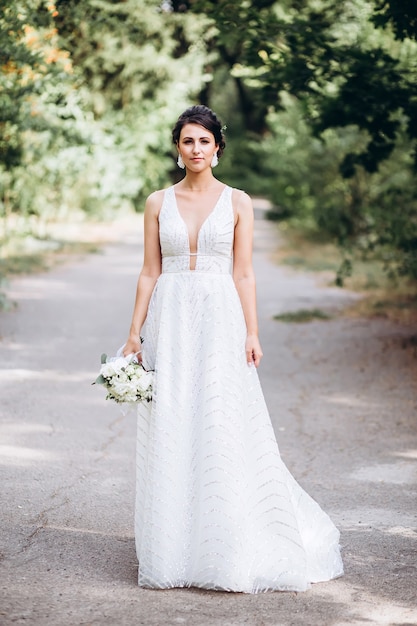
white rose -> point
(122, 377)
(123, 391)
(144, 381)
(107, 370)
(131, 370)
(118, 363)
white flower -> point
(118, 363)
(125, 380)
(124, 391)
(107, 370)
(144, 380)
(122, 377)
(131, 370)
(113, 366)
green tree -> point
(350, 76)
(140, 65)
(35, 81)
(88, 93)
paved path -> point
(342, 395)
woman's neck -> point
(203, 181)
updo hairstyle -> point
(202, 115)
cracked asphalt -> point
(342, 397)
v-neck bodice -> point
(214, 240)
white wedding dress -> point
(216, 507)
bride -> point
(216, 507)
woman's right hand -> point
(133, 346)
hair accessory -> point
(180, 162)
(214, 160)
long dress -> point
(216, 507)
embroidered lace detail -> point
(215, 238)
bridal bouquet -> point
(125, 379)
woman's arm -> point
(150, 272)
(243, 274)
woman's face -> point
(196, 146)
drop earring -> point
(180, 162)
(214, 160)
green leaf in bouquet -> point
(99, 380)
(103, 358)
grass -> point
(398, 305)
(310, 252)
(383, 296)
(5, 303)
(27, 253)
(31, 263)
(302, 316)
(31, 248)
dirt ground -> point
(342, 397)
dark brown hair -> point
(200, 114)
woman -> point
(216, 507)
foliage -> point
(88, 94)
(337, 123)
(41, 113)
(319, 98)
(140, 65)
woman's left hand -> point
(133, 346)
(253, 350)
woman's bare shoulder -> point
(242, 202)
(154, 201)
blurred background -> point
(319, 98)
